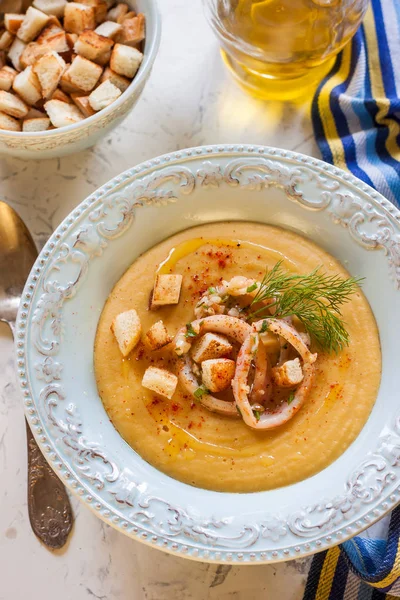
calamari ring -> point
(239, 382)
(232, 327)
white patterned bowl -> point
(86, 133)
(57, 321)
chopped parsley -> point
(212, 290)
(239, 411)
(291, 398)
(257, 415)
(190, 332)
(264, 326)
(251, 288)
(200, 392)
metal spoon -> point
(48, 504)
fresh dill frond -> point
(315, 299)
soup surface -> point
(208, 450)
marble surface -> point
(189, 100)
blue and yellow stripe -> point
(356, 110)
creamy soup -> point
(185, 440)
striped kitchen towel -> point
(356, 118)
(356, 110)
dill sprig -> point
(315, 299)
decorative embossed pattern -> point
(91, 469)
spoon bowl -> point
(17, 256)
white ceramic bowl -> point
(77, 137)
(57, 321)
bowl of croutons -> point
(71, 71)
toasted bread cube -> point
(7, 75)
(117, 12)
(15, 52)
(94, 47)
(62, 114)
(49, 70)
(6, 39)
(55, 38)
(125, 60)
(289, 374)
(217, 373)
(132, 31)
(82, 102)
(109, 29)
(160, 381)
(32, 53)
(12, 105)
(210, 345)
(71, 39)
(32, 24)
(129, 15)
(104, 95)
(157, 336)
(127, 329)
(122, 83)
(34, 113)
(27, 85)
(82, 75)
(13, 22)
(60, 95)
(100, 9)
(36, 124)
(51, 7)
(9, 123)
(167, 289)
(78, 17)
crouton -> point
(167, 289)
(125, 60)
(34, 113)
(289, 374)
(62, 114)
(13, 22)
(100, 9)
(117, 12)
(78, 17)
(122, 83)
(41, 124)
(9, 123)
(49, 70)
(55, 38)
(51, 7)
(6, 39)
(217, 373)
(157, 336)
(132, 31)
(59, 95)
(71, 39)
(81, 75)
(109, 29)
(210, 345)
(27, 85)
(32, 25)
(104, 95)
(129, 15)
(15, 52)
(127, 329)
(94, 47)
(160, 381)
(12, 105)
(82, 102)
(7, 75)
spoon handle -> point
(49, 508)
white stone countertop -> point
(189, 100)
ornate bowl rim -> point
(156, 521)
